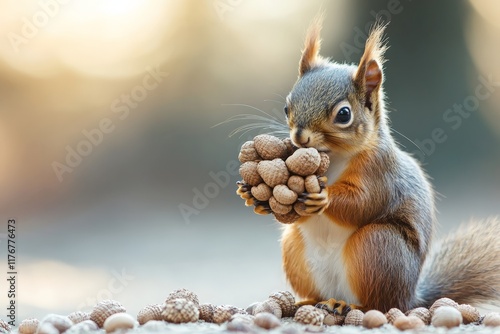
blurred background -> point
(107, 137)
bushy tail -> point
(464, 267)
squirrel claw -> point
(337, 307)
(315, 203)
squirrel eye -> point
(285, 109)
(343, 116)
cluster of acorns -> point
(277, 173)
(182, 306)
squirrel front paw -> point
(261, 208)
(315, 203)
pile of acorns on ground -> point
(182, 306)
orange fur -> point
(295, 265)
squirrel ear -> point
(369, 73)
(310, 55)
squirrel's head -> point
(335, 107)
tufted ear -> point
(310, 55)
(368, 76)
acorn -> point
(183, 294)
(267, 320)
(284, 195)
(446, 316)
(393, 314)
(270, 305)
(248, 172)
(273, 172)
(286, 301)
(297, 184)
(279, 208)
(469, 313)
(28, 326)
(333, 319)
(104, 309)
(304, 161)
(374, 319)
(408, 322)
(248, 152)
(492, 319)
(180, 311)
(354, 318)
(262, 192)
(422, 313)
(312, 184)
(149, 312)
(78, 316)
(324, 163)
(60, 322)
(442, 302)
(287, 218)
(309, 315)
(207, 312)
(270, 147)
(118, 321)
(225, 312)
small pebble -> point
(118, 321)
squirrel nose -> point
(302, 140)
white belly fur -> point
(324, 243)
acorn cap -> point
(309, 315)
(374, 319)
(180, 311)
(248, 172)
(287, 218)
(296, 183)
(207, 312)
(446, 316)
(286, 301)
(104, 309)
(224, 312)
(304, 161)
(289, 146)
(28, 326)
(270, 305)
(248, 152)
(442, 302)
(354, 318)
(273, 172)
(470, 314)
(149, 312)
(312, 184)
(324, 163)
(279, 208)
(78, 316)
(270, 147)
(393, 314)
(183, 293)
(262, 192)
(422, 313)
(284, 195)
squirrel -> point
(367, 242)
